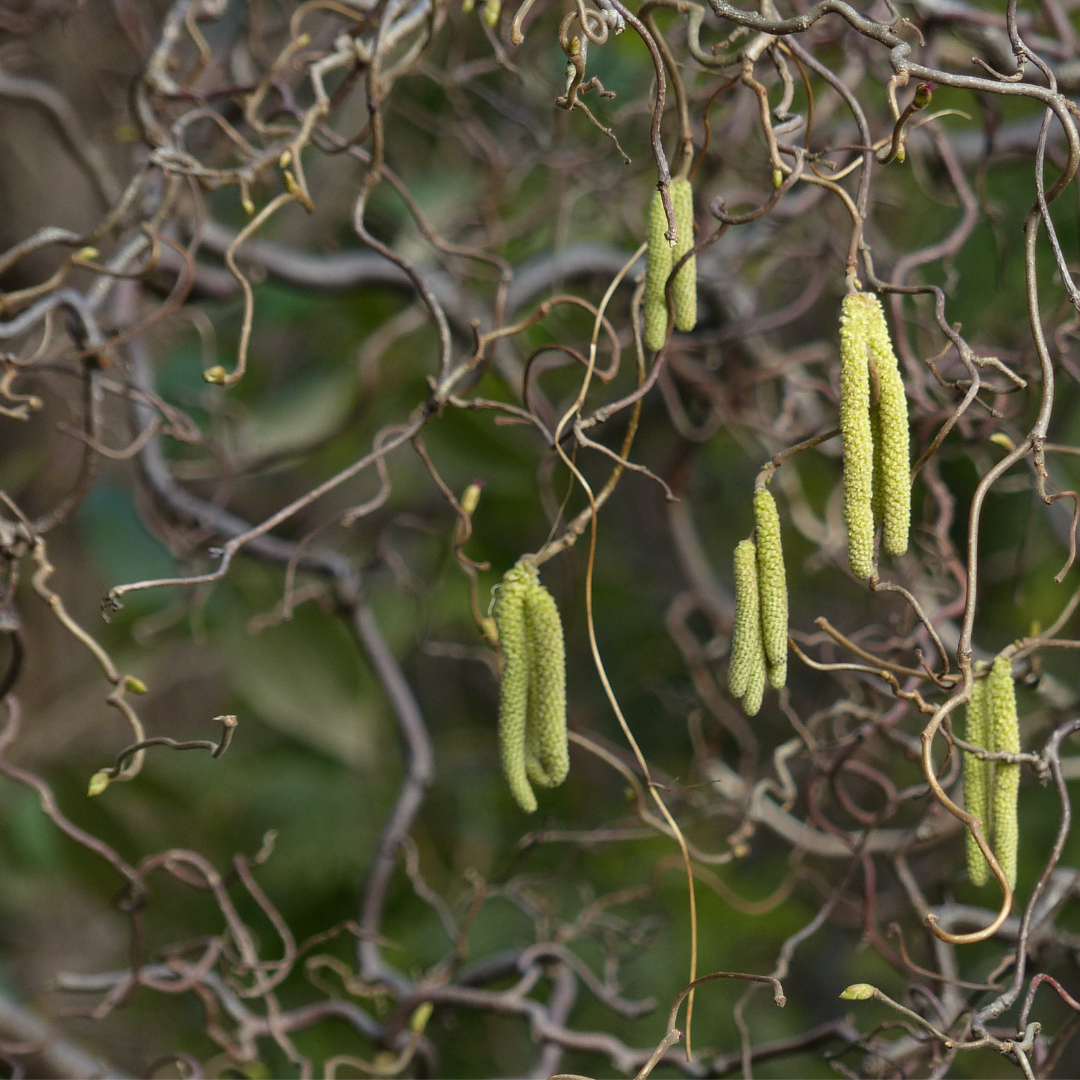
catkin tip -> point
(755, 692)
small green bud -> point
(858, 992)
(215, 375)
(471, 497)
(923, 93)
(98, 783)
(492, 11)
(135, 685)
(421, 1015)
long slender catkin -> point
(855, 318)
(747, 668)
(976, 794)
(893, 454)
(510, 619)
(684, 287)
(547, 750)
(1004, 735)
(532, 705)
(772, 586)
(657, 268)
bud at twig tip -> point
(98, 783)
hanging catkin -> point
(514, 689)
(976, 794)
(657, 268)
(684, 287)
(1004, 734)
(855, 427)
(532, 700)
(893, 454)
(772, 586)
(547, 752)
(755, 691)
(746, 672)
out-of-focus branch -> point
(58, 1055)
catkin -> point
(892, 441)
(657, 268)
(510, 619)
(755, 691)
(547, 750)
(855, 427)
(772, 586)
(684, 287)
(1004, 734)
(532, 700)
(746, 672)
(878, 490)
(976, 794)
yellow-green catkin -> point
(1004, 725)
(510, 619)
(532, 702)
(657, 268)
(755, 691)
(855, 427)
(875, 432)
(772, 586)
(746, 672)
(893, 449)
(684, 287)
(976, 793)
(547, 750)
